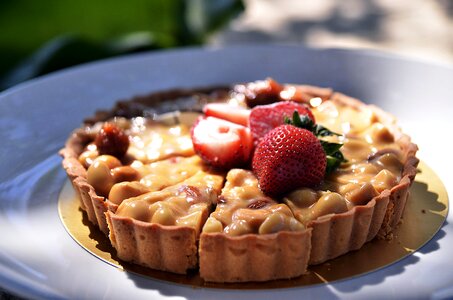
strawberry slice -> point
(232, 113)
(221, 143)
(264, 118)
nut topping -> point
(260, 203)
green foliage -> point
(67, 32)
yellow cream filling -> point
(244, 209)
(183, 204)
(149, 141)
(157, 142)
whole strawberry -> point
(289, 157)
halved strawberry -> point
(221, 143)
(232, 113)
(288, 157)
(264, 118)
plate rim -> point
(35, 83)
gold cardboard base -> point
(425, 212)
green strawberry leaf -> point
(323, 131)
(333, 154)
(330, 148)
(332, 164)
(300, 121)
(306, 122)
(334, 160)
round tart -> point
(170, 200)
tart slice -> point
(251, 237)
(103, 175)
(160, 229)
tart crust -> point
(94, 205)
(167, 248)
(336, 234)
(256, 257)
(164, 247)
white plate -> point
(38, 258)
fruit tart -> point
(160, 229)
(260, 182)
(100, 158)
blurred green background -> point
(37, 37)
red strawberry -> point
(287, 158)
(235, 114)
(221, 143)
(264, 118)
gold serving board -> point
(426, 211)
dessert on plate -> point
(253, 182)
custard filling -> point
(184, 204)
(150, 141)
(242, 208)
(159, 176)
